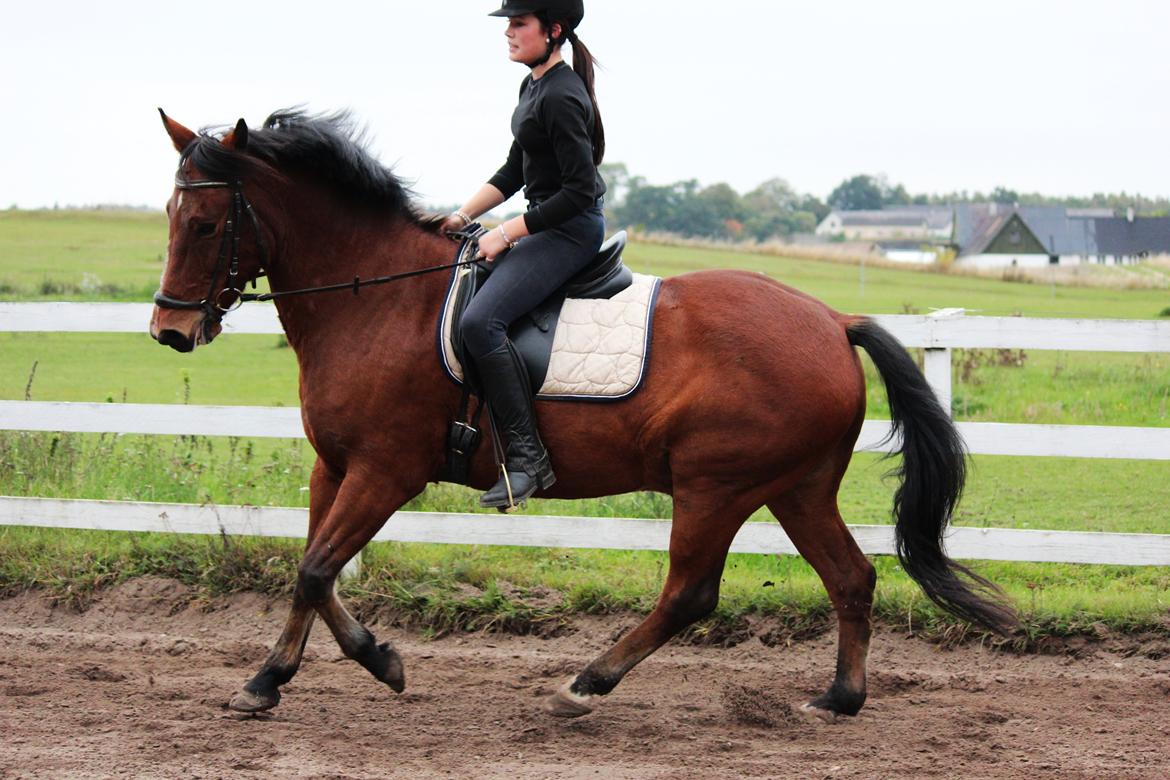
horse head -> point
(207, 263)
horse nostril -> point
(176, 340)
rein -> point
(357, 282)
(212, 303)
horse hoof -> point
(390, 669)
(247, 701)
(566, 704)
(815, 714)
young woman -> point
(559, 142)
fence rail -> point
(1070, 441)
(600, 533)
(937, 334)
(944, 329)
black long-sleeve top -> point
(552, 154)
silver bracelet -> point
(466, 219)
(511, 244)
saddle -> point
(588, 341)
(533, 334)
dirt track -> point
(136, 687)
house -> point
(990, 235)
(996, 235)
(899, 223)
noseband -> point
(229, 256)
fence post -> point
(936, 364)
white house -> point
(926, 223)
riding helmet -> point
(568, 12)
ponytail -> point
(583, 63)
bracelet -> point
(466, 219)
(511, 244)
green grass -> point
(898, 291)
(439, 589)
(117, 256)
(97, 367)
(81, 255)
(1062, 494)
(1068, 388)
(1058, 388)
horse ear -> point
(180, 136)
(238, 138)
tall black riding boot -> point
(509, 396)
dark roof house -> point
(989, 228)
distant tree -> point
(1004, 195)
(719, 209)
(617, 181)
(775, 210)
(768, 209)
(647, 206)
(775, 193)
(811, 204)
(861, 193)
(893, 196)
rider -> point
(559, 142)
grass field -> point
(117, 256)
(81, 255)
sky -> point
(1065, 98)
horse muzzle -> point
(182, 330)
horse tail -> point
(932, 475)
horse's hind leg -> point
(700, 536)
(810, 517)
(262, 692)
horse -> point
(754, 397)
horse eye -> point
(205, 229)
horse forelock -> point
(326, 148)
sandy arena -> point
(137, 687)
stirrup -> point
(517, 484)
(512, 506)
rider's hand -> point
(491, 245)
(454, 223)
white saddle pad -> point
(600, 347)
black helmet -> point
(568, 12)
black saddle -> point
(533, 334)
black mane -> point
(326, 147)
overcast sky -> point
(1059, 97)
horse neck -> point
(327, 242)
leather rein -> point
(229, 260)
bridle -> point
(212, 304)
(228, 261)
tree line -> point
(775, 210)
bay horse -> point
(754, 397)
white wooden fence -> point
(938, 334)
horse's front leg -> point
(365, 499)
(262, 692)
